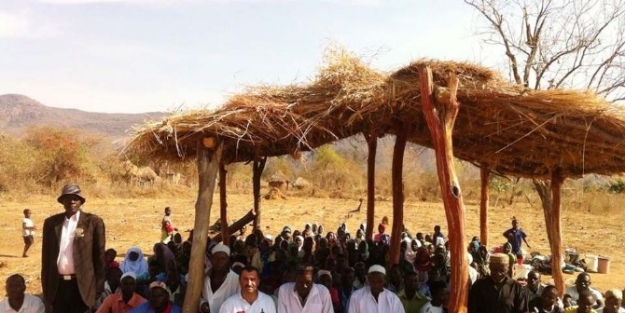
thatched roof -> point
(514, 131)
(278, 177)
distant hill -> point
(18, 112)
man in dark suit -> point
(72, 262)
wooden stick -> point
(223, 204)
(440, 122)
(484, 174)
(236, 226)
(372, 143)
(208, 165)
(257, 170)
(398, 192)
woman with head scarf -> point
(162, 254)
(299, 242)
(134, 262)
(482, 260)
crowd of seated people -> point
(314, 270)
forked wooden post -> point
(484, 175)
(398, 192)
(550, 197)
(257, 170)
(440, 122)
(372, 143)
(208, 160)
(223, 204)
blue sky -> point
(159, 55)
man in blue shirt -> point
(515, 235)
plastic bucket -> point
(603, 265)
(592, 263)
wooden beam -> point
(398, 192)
(484, 175)
(440, 122)
(257, 170)
(372, 143)
(208, 161)
(236, 226)
(223, 204)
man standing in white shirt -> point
(374, 298)
(17, 301)
(72, 256)
(220, 282)
(303, 296)
(249, 300)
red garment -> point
(336, 300)
(168, 309)
(112, 264)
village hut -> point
(301, 183)
(460, 109)
(279, 181)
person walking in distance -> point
(72, 256)
(28, 231)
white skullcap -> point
(239, 264)
(129, 274)
(269, 237)
(324, 272)
(220, 247)
(377, 269)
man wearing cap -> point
(249, 300)
(303, 296)
(72, 256)
(498, 293)
(220, 282)
(124, 301)
(159, 301)
(374, 298)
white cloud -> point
(21, 25)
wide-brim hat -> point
(71, 189)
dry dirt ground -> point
(132, 222)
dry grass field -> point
(135, 221)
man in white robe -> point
(249, 300)
(303, 296)
(374, 298)
(220, 282)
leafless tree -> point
(548, 44)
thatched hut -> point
(279, 181)
(502, 128)
(301, 183)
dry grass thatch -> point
(513, 131)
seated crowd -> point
(312, 270)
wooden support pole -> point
(440, 122)
(208, 161)
(372, 143)
(223, 204)
(550, 197)
(398, 192)
(554, 231)
(257, 170)
(484, 175)
(236, 226)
